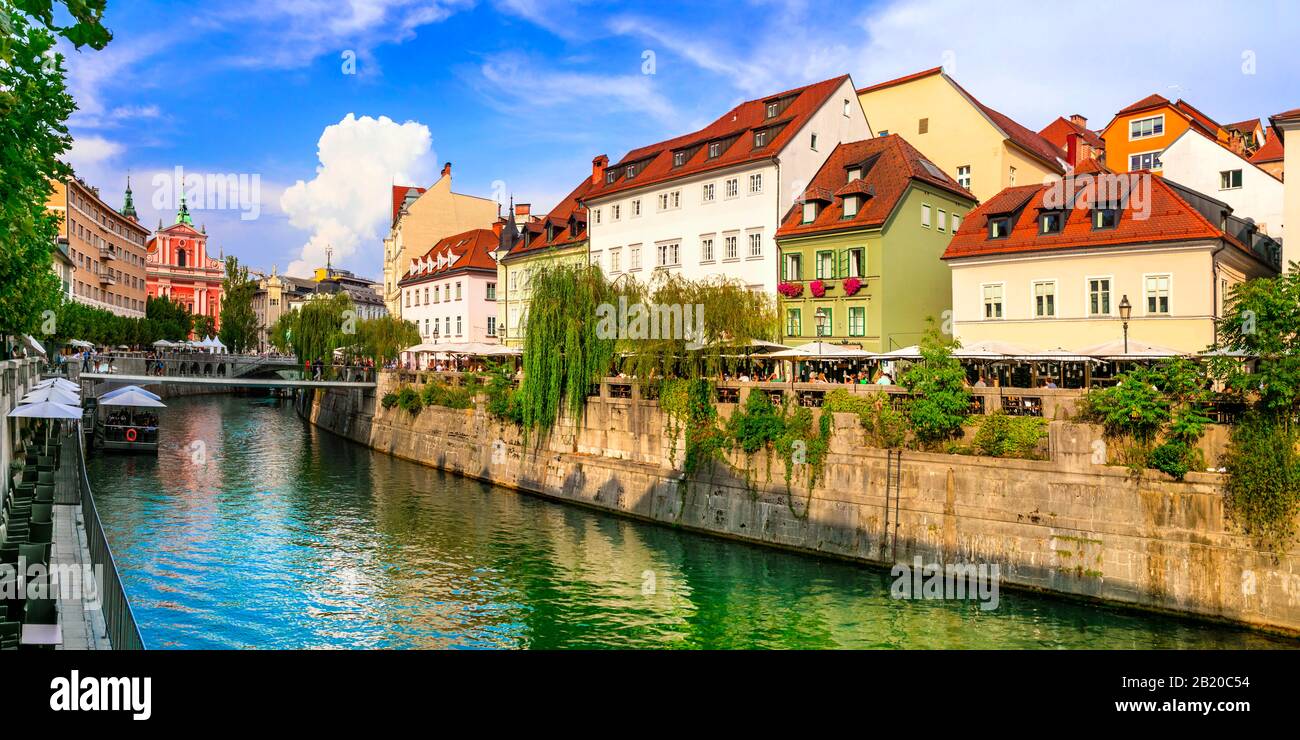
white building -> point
(1288, 124)
(1204, 165)
(709, 202)
(449, 292)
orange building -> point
(1138, 134)
(104, 248)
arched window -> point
(180, 258)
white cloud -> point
(346, 206)
(566, 90)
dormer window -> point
(855, 173)
(760, 139)
(773, 108)
(851, 205)
(679, 159)
(999, 227)
(1105, 217)
(809, 211)
(630, 172)
(715, 150)
(610, 176)
(1051, 222)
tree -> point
(239, 325)
(940, 402)
(314, 331)
(204, 326)
(382, 339)
(1260, 319)
(171, 319)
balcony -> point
(107, 253)
(106, 277)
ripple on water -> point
(282, 536)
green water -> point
(253, 529)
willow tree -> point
(674, 327)
(565, 350)
(314, 331)
(382, 339)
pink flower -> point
(852, 286)
(818, 288)
(790, 290)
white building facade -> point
(712, 200)
(1211, 168)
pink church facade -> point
(178, 267)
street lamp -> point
(1125, 311)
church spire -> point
(183, 215)
(128, 202)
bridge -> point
(237, 382)
(242, 371)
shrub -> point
(1000, 435)
(755, 425)
(883, 425)
(1172, 457)
(389, 400)
(409, 400)
(436, 393)
(1263, 490)
(940, 401)
(502, 398)
(1133, 407)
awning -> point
(133, 397)
(46, 410)
(131, 388)
(823, 351)
(35, 346)
(905, 353)
(51, 393)
(1136, 350)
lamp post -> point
(1125, 311)
(498, 254)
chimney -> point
(498, 226)
(522, 209)
(1078, 120)
(598, 166)
(446, 170)
(1072, 148)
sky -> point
(288, 120)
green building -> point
(860, 250)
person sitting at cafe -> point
(980, 383)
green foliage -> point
(389, 400)
(87, 31)
(34, 106)
(1147, 404)
(502, 398)
(204, 326)
(884, 426)
(704, 440)
(314, 331)
(1260, 318)
(384, 338)
(172, 320)
(1263, 490)
(757, 424)
(940, 402)
(436, 393)
(687, 328)
(804, 441)
(1172, 457)
(1133, 407)
(1000, 435)
(409, 400)
(563, 352)
(239, 325)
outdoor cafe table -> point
(41, 634)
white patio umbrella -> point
(45, 410)
(1137, 350)
(990, 349)
(822, 351)
(51, 393)
(132, 388)
(912, 352)
(66, 385)
(163, 343)
(36, 346)
(134, 397)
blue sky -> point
(521, 94)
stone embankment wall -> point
(1064, 525)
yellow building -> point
(1033, 272)
(420, 219)
(1288, 124)
(983, 149)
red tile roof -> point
(1150, 101)
(535, 232)
(1058, 132)
(1246, 127)
(655, 161)
(901, 80)
(1171, 219)
(1091, 167)
(1197, 116)
(894, 164)
(472, 248)
(399, 197)
(1272, 151)
(1287, 115)
(1199, 120)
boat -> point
(126, 420)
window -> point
(1011, 176)
(733, 188)
(457, 326)
(1157, 294)
(630, 172)
(492, 326)
(755, 245)
(663, 201)
(993, 301)
(793, 322)
(731, 252)
(634, 258)
(857, 321)
(596, 215)
(756, 183)
(855, 173)
(809, 211)
(1143, 128)
(825, 265)
(636, 208)
(706, 249)
(772, 109)
(679, 159)
(963, 176)
(793, 267)
(1044, 299)
(426, 327)
(458, 291)
(850, 206)
(1230, 179)
(956, 222)
(491, 291)
(825, 327)
(923, 126)
(610, 176)
(846, 108)
(616, 211)
(708, 192)
(942, 222)
(675, 199)
(1099, 296)
(715, 150)
(668, 255)
(1051, 222)
(853, 262)
(813, 142)
(1105, 218)
(925, 215)
(760, 139)
(883, 132)
(1144, 161)
(614, 260)
(408, 299)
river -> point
(252, 529)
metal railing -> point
(119, 619)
